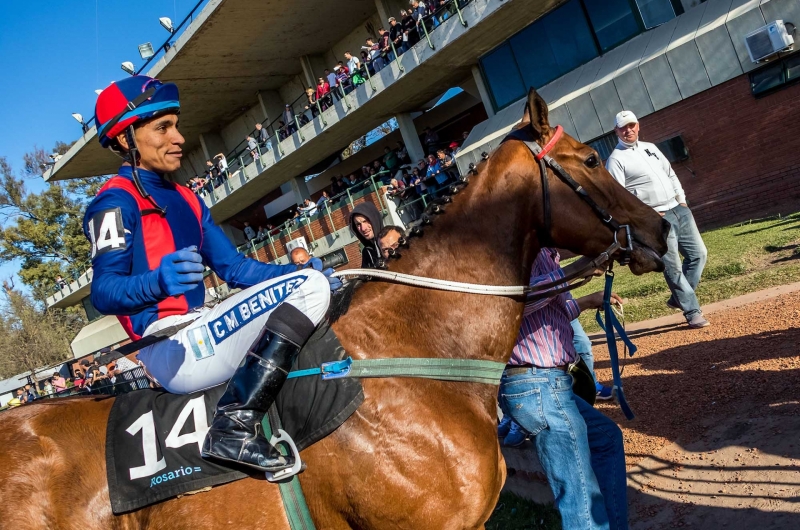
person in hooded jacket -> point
(366, 224)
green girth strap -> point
(460, 370)
(294, 502)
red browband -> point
(553, 141)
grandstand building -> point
(682, 66)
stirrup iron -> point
(283, 474)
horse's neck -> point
(484, 237)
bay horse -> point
(417, 454)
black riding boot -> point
(236, 434)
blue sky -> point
(55, 54)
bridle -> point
(544, 160)
(583, 275)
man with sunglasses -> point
(151, 241)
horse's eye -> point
(592, 162)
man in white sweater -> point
(644, 171)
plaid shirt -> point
(545, 337)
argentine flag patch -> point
(201, 345)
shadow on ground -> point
(731, 409)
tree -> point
(32, 338)
(43, 230)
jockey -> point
(150, 241)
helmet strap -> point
(133, 158)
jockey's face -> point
(159, 143)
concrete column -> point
(384, 12)
(483, 91)
(308, 71)
(212, 144)
(410, 137)
(300, 189)
(232, 233)
(271, 104)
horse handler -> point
(581, 450)
(150, 239)
(644, 171)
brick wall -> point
(745, 152)
(320, 227)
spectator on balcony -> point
(396, 36)
(323, 93)
(447, 163)
(385, 43)
(342, 80)
(308, 208)
(353, 181)
(375, 58)
(453, 148)
(323, 199)
(299, 256)
(378, 167)
(48, 388)
(337, 185)
(430, 140)
(222, 165)
(288, 120)
(354, 68)
(330, 77)
(59, 383)
(263, 137)
(253, 146)
(402, 153)
(311, 103)
(417, 13)
(212, 173)
(390, 160)
(249, 233)
(22, 396)
(410, 34)
(262, 233)
(60, 282)
(32, 394)
(366, 224)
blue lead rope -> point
(611, 324)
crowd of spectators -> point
(335, 83)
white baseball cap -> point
(624, 118)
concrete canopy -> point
(232, 50)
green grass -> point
(515, 513)
(742, 258)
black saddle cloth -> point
(153, 438)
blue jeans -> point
(582, 344)
(683, 276)
(580, 449)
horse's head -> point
(574, 225)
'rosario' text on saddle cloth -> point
(229, 323)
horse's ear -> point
(536, 113)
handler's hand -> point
(180, 271)
(595, 300)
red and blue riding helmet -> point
(134, 98)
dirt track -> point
(716, 441)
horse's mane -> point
(341, 300)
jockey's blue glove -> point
(180, 271)
(316, 264)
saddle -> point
(154, 438)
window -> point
(781, 73)
(655, 12)
(502, 74)
(555, 44)
(614, 21)
(572, 34)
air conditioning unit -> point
(768, 40)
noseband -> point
(542, 157)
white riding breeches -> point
(207, 352)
